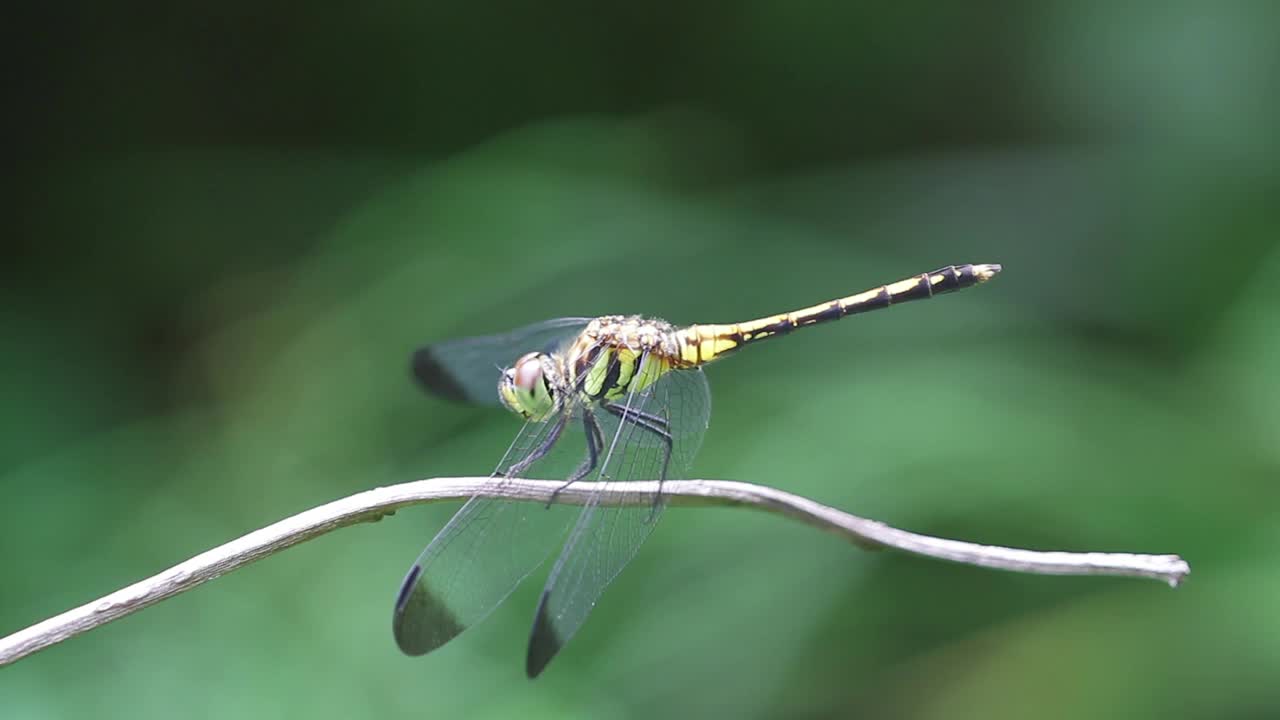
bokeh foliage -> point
(236, 223)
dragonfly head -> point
(531, 387)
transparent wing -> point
(467, 369)
(606, 538)
(490, 545)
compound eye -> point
(527, 374)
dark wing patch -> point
(544, 643)
(422, 622)
(467, 369)
(436, 379)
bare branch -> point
(374, 504)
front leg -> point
(595, 439)
(518, 467)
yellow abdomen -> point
(699, 344)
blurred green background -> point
(234, 224)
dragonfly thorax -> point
(612, 356)
(616, 355)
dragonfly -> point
(608, 400)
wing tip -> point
(421, 622)
(406, 586)
(433, 376)
(544, 643)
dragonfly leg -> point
(656, 420)
(516, 469)
(656, 425)
(595, 439)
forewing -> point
(605, 538)
(467, 369)
(487, 548)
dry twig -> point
(374, 504)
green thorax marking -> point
(605, 360)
